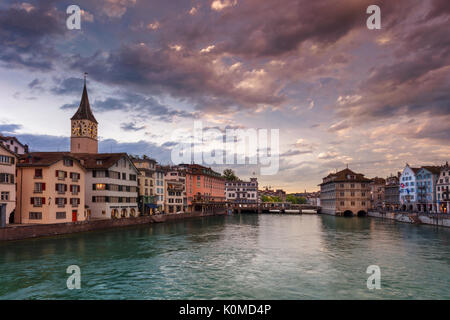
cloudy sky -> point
(338, 92)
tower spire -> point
(84, 111)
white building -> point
(13, 145)
(111, 185)
(8, 162)
(175, 190)
(443, 190)
(242, 191)
(408, 188)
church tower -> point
(84, 127)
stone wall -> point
(437, 220)
(18, 232)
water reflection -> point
(243, 256)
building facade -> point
(159, 188)
(50, 189)
(8, 162)
(111, 185)
(13, 145)
(345, 193)
(175, 190)
(442, 190)
(146, 182)
(242, 192)
(391, 192)
(426, 179)
(407, 188)
(377, 193)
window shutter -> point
(71, 175)
(94, 187)
(94, 173)
(71, 188)
(32, 200)
(65, 200)
(107, 173)
(93, 199)
(78, 200)
(65, 174)
(56, 173)
(65, 187)
(43, 200)
(43, 186)
(56, 187)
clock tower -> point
(83, 137)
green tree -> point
(229, 175)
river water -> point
(235, 257)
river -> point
(235, 257)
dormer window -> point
(99, 162)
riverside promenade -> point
(26, 231)
(414, 217)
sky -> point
(339, 93)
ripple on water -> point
(234, 257)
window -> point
(39, 187)
(99, 186)
(6, 159)
(35, 215)
(74, 189)
(61, 202)
(38, 173)
(99, 162)
(74, 202)
(75, 176)
(68, 162)
(6, 178)
(37, 202)
(61, 175)
(4, 196)
(61, 188)
(60, 215)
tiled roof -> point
(84, 111)
(433, 169)
(43, 159)
(343, 176)
(87, 160)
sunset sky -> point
(338, 92)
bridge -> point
(274, 207)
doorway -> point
(74, 216)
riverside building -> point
(7, 183)
(146, 182)
(408, 188)
(50, 189)
(242, 192)
(345, 193)
(442, 189)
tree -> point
(229, 175)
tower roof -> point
(84, 111)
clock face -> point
(76, 130)
(85, 129)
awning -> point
(151, 205)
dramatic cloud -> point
(309, 68)
(26, 34)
